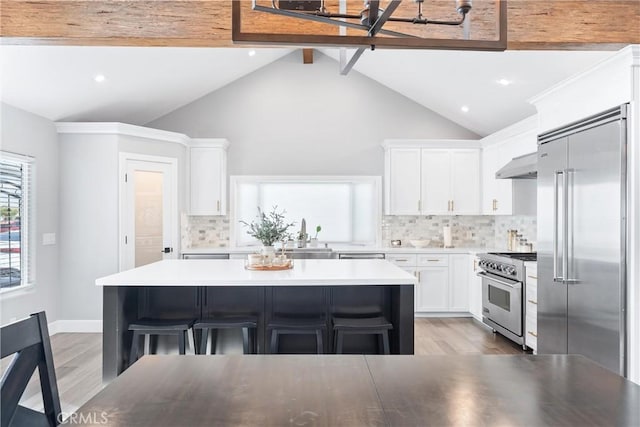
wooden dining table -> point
(358, 390)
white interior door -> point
(149, 224)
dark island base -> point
(123, 305)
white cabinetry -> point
(404, 181)
(475, 288)
(531, 306)
(442, 280)
(208, 177)
(458, 283)
(432, 293)
(498, 150)
(432, 178)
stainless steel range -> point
(503, 281)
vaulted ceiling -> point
(143, 83)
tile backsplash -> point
(204, 231)
(466, 231)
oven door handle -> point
(512, 285)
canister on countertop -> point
(446, 236)
(511, 240)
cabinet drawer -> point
(531, 332)
(531, 310)
(531, 340)
(531, 297)
(402, 260)
(431, 260)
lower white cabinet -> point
(432, 292)
(458, 283)
(443, 280)
(531, 306)
(475, 288)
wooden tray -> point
(287, 266)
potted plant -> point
(313, 242)
(269, 228)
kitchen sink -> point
(310, 253)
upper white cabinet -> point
(208, 176)
(498, 150)
(404, 191)
(432, 177)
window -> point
(15, 220)
(347, 208)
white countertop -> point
(328, 272)
(346, 249)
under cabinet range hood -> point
(522, 167)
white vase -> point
(268, 252)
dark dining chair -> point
(28, 339)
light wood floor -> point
(78, 357)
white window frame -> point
(235, 180)
(27, 225)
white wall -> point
(26, 133)
(292, 118)
(89, 222)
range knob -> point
(511, 271)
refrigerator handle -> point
(556, 218)
(567, 250)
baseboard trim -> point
(75, 326)
(443, 314)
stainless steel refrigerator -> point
(581, 239)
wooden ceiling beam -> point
(532, 24)
(307, 56)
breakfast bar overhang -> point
(178, 289)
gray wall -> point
(89, 182)
(289, 118)
(89, 231)
(28, 134)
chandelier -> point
(371, 19)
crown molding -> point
(627, 56)
(116, 128)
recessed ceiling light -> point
(252, 52)
(504, 82)
(99, 78)
(464, 109)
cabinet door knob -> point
(532, 302)
(533, 334)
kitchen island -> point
(178, 289)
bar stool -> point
(247, 323)
(377, 325)
(156, 327)
(297, 326)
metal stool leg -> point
(214, 340)
(133, 356)
(385, 342)
(204, 337)
(339, 339)
(245, 340)
(319, 346)
(181, 342)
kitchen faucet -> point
(302, 235)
